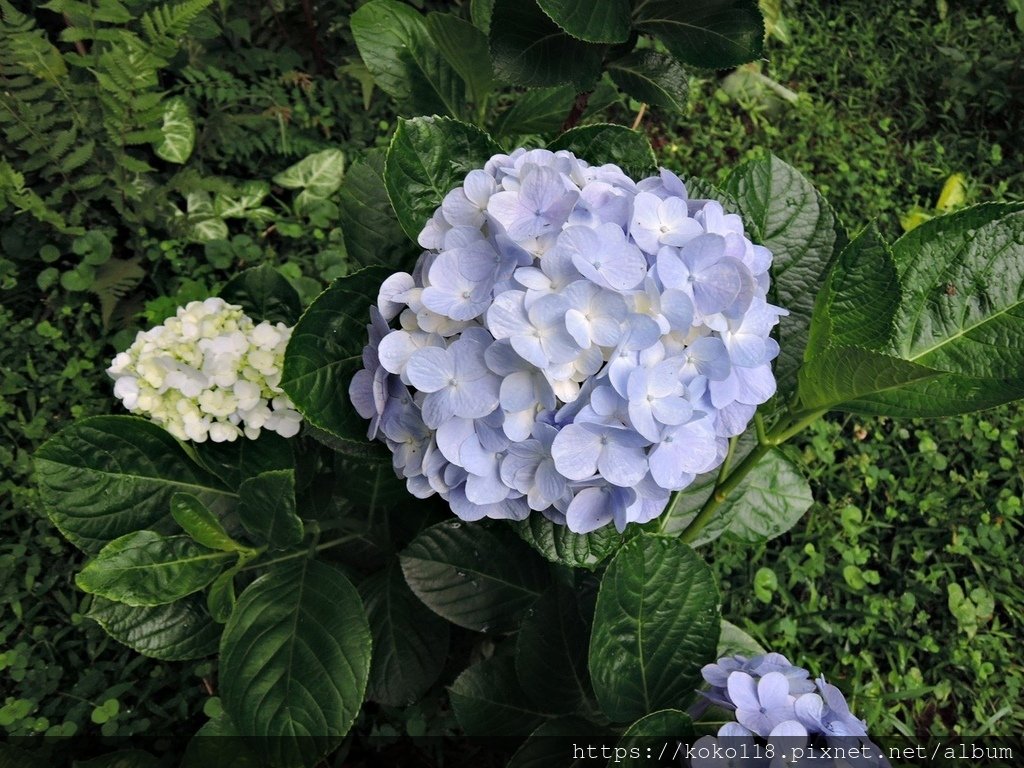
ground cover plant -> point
(241, 253)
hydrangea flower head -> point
(571, 342)
(209, 372)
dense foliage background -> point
(104, 230)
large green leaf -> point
(236, 461)
(606, 143)
(653, 78)
(656, 739)
(268, 508)
(560, 545)
(963, 293)
(564, 742)
(734, 640)
(264, 294)
(712, 34)
(476, 577)
(490, 705)
(604, 22)
(294, 660)
(857, 303)
(179, 132)
(545, 110)
(410, 642)
(146, 569)
(656, 623)
(529, 49)
(325, 351)
(103, 477)
(465, 48)
(368, 222)
(318, 176)
(428, 157)
(396, 47)
(551, 654)
(205, 528)
(172, 632)
(784, 212)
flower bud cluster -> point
(570, 342)
(209, 372)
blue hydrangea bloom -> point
(573, 343)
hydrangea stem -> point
(727, 483)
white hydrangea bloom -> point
(208, 373)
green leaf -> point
(963, 293)
(544, 110)
(106, 476)
(318, 176)
(428, 157)
(653, 78)
(179, 132)
(147, 569)
(656, 739)
(368, 222)
(465, 48)
(172, 632)
(711, 34)
(560, 545)
(858, 302)
(490, 705)
(604, 22)
(551, 654)
(397, 49)
(236, 461)
(126, 758)
(267, 508)
(478, 578)
(325, 351)
(656, 623)
(554, 745)
(480, 12)
(264, 294)
(529, 49)
(734, 640)
(294, 660)
(220, 600)
(606, 143)
(112, 282)
(410, 642)
(201, 524)
(783, 212)
(861, 380)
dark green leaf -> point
(480, 11)
(540, 110)
(324, 353)
(220, 600)
(147, 569)
(410, 643)
(604, 22)
(125, 758)
(173, 632)
(656, 739)
(201, 524)
(318, 176)
(734, 640)
(785, 213)
(562, 743)
(655, 625)
(551, 654)
(490, 705)
(428, 157)
(465, 48)
(560, 545)
(236, 461)
(605, 143)
(264, 295)
(396, 47)
(106, 476)
(295, 657)
(478, 578)
(653, 78)
(857, 304)
(528, 48)
(711, 34)
(368, 222)
(267, 508)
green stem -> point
(305, 552)
(728, 482)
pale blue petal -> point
(430, 369)
(576, 450)
(590, 509)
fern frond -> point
(165, 25)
